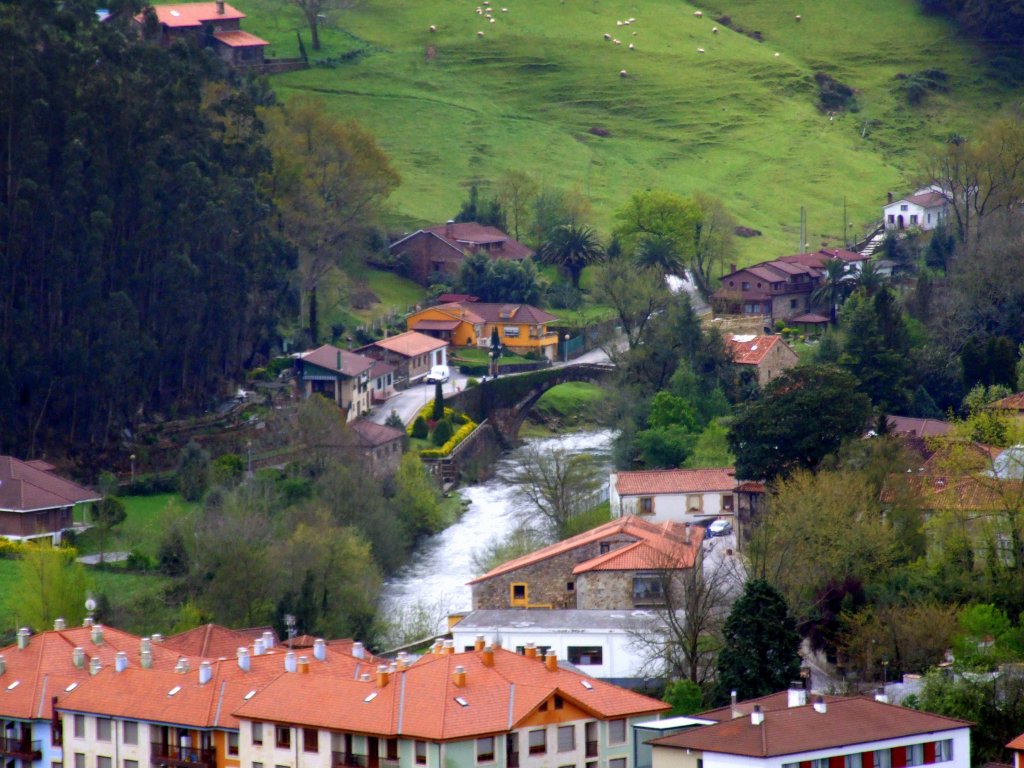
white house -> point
(784, 731)
(603, 644)
(677, 495)
(924, 210)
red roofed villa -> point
(767, 357)
(216, 25)
(34, 502)
(436, 253)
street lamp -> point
(132, 457)
(248, 448)
(565, 350)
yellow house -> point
(521, 328)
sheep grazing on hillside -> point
(480, 33)
(623, 73)
(492, 21)
(698, 14)
(626, 23)
(617, 42)
(700, 50)
(632, 47)
(607, 36)
(777, 54)
(618, 23)
(630, 21)
(714, 30)
(504, 10)
(797, 17)
(433, 28)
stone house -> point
(412, 354)
(381, 446)
(436, 253)
(766, 357)
(35, 503)
(619, 565)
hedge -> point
(461, 434)
(427, 411)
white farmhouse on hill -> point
(924, 210)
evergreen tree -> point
(761, 651)
(438, 413)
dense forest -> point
(138, 267)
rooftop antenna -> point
(289, 622)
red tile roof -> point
(1014, 402)
(929, 199)
(669, 552)
(193, 14)
(338, 360)
(25, 487)
(652, 481)
(751, 349)
(372, 435)
(1017, 743)
(811, 318)
(793, 730)
(238, 38)
(212, 641)
(472, 234)
(628, 525)
(908, 425)
(506, 313)
(409, 344)
(421, 701)
(769, 703)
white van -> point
(439, 373)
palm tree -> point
(572, 247)
(833, 287)
(661, 252)
(869, 278)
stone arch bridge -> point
(506, 401)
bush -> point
(138, 561)
(227, 469)
(472, 381)
(442, 432)
(193, 472)
(419, 428)
(439, 453)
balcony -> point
(349, 760)
(21, 749)
(512, 760)
(591, 749)
(172, 754)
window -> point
(130, 732)
(585, 655)
(130, 764)
(538, 742)
(103, 728)
(882, 758)
(421, 753)
(310, 740)
(511, 331)
(391, 749)
(852, 761)
(618, 762)
(616, 732)
(943, 750)
(257, 735)
(102, 761)
(904, 207)
(57, 734)
(485, 750)
(557, 700)
(913, 218)
(606, 547)
(727, 501)
(232, 742)
(745, 286)
(257, 765)
(79, 760)
(915, 754)
(694, 503)
(283, 737)
(647, 589)
(792, 303)
(79, 726)
(570, 586)
(646, 506)
(519, 593)
(566, 738)
(892, 218)
(928, 218)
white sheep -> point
(623, 73)
(607, 36)
(618, 23)
(698, 14)
(632, 47)
(630, 21)
(492, 21)
(626, 23)
(797, 17)
(777, 54)
(617, 42)
(480, 33)
(433, 28)
(714, 30)
(504, 10)
(700, 50)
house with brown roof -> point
(35, 502)
(412, 354)
(215, 25)
(381, 446)
(619, 565)
(435, 254)
(673, 495)
(338, 375)
(925, 210)
(522, 328)
(827, 732)
(766, 357)
(1012, 405)
(781, 288)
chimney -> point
(686, 535)
(881, 696)
(403, 660)
(383, 676)
(87, 621)
(487, 657)
(157, 637)
(357, 650)
(257, 647)
(303, 665)
(244, 663)
(59, 624)
(95, 665)
(320, 649)
(78, 657)
(97, 634)
(23, 636)
(268, 636)
(530, 651)
(120, 661)
(182, 665)
(449, 647)
(145, 644)
(735, 710)
(205, 672)
(732, 267)
(3, 665)
(289, 662)
(756, 716)
(819, 704)
(459, 678)
(889, 195)
(551, 661)
(436, 647)
(146, 659)
(797, 694)
(449, 228)
(220, 7)
(480, 643)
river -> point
(435, 578)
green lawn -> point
(142, 528)
(478, 356)
(737, 121)
(584, 316)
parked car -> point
(439, 373)
(719, 528)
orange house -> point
(522, 328)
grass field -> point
(736, 121)
(143, 525)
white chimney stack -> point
(797, 695)
(205, 672)
(244, 663)
(734, 709)
(157, 637)
(78, 657)
(3, 665)
(257, 647)
(881, 696)
(357, 650)
(320, 649)
(146, 658)
(97, 634)
(120, 661)
(289, 661)
(756, 715)
(95, 665)
(268, 639)
(23, 636)
(59, 624)
(182, 665)
(819, 704)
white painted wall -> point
(927, 218)
(669, 506)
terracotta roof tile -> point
(239, 38)
(341, 361)
(409, 344)
(507, 313)
(751, 350)
(193, 14)
(645, 555)
(24, 486)
(211, 641)
(473, 234)
(651, 481)
(908, 425)
(1014, 402)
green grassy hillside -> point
(736, 121)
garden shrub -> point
(442, 432)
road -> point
(409, 401)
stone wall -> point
(605, 590)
